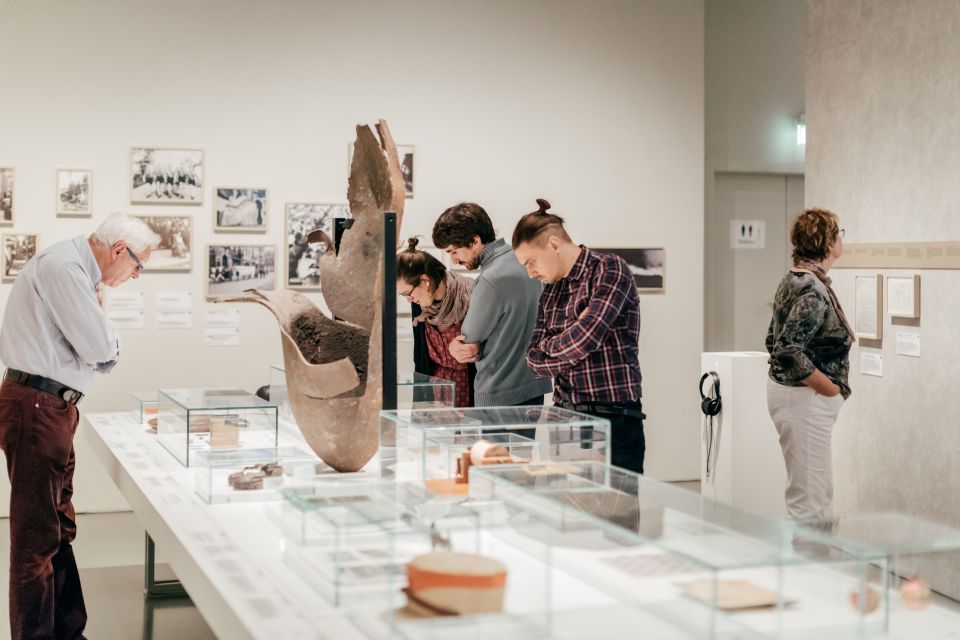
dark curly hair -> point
(457, 226)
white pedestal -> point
(749, 472)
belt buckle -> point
(72, 396)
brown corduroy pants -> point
(36, 434)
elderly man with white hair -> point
(54, 337)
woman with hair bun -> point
(809, 344)
(440, 300)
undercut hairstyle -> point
(539, 225)
(457, 226)
(413, 263)
(813, 234)
(132, 230)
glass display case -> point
(147, 403)
(419, 391)
(193, 420)
(644, 542)
(278, 391)
(400, 558)
(560, 434)
(448, 456)
(251, 475)
(906, 553)
(414, 391)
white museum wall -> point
(596, 106)
(882, 141)
(754, 78)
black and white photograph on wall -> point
(73, 193)
(239, 210)
(176, 238)
(405, 151)
(231, 269)
(646, 265)
(17, 249)
(6, 196)
(303, 268)
(166, 176)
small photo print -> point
(6, 196)
(405, 151)
(176, 237)
(303, 258)
(232, 269)
(166, 176)
(238, 209)
(74, 192)
(646, 265)
(18, 248)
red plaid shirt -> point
(593, 358)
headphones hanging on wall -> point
(711, 404)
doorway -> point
(741, 271)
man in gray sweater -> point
(503, 309)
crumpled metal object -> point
(334, 365)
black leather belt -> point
(44, 384)
(630, 409)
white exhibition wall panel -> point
(882, 140)
(596, 106)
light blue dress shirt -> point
(53, 325)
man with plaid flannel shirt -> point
(587, 330)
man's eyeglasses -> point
(843, 232)
(408, 293)
(135, 259)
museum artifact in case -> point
(564, 435)
(251, 475)
(193, 420)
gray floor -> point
(109, 550)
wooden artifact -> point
(333, 365)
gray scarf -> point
(453, 308)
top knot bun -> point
(412, 243)
(543, 204)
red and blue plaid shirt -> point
(587, 332)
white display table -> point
(228, 557)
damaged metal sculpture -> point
(333, 366)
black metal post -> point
(389, 329)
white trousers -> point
(804, 420)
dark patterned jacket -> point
(806, 334)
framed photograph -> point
(174, 253)
(903, 297)
(6, 196)
(240, 210)
(647, 266)
(405, 153)
(74, 191)
(233, 268)
(303, 269)
(17, 249)
(166, 176)
(869, 307)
